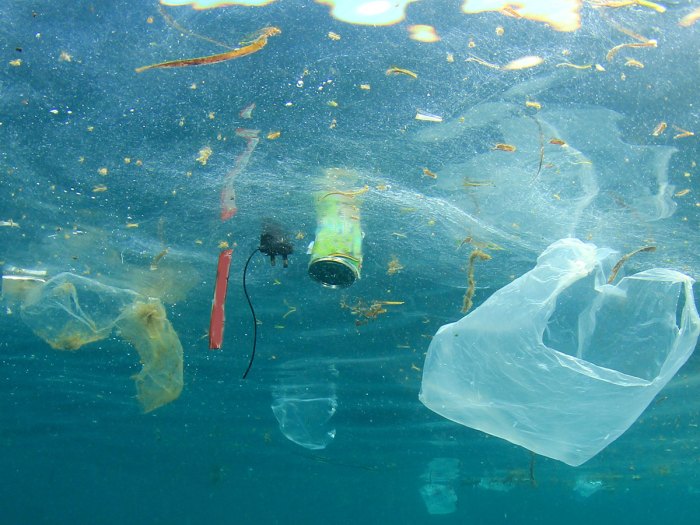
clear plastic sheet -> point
(559, 361)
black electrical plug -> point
(273, 242)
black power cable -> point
(252, 311)
(273, 242)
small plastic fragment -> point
(525, 62)
(228, 192)
(247, 112)
(216, 322)
(427, 117)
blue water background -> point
(75, 447)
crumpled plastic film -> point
(145, 325)
(304, 403)
(70, 311)
(559, 361)
(440, 477)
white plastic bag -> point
(558, 361)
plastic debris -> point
(228, 191)
(559, 361)
(70, 311)
(585, 487)
(438, 491)
(247, 112)
(216, 323)
(304, 402)
(427, 117)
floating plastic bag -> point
(70, 311)
(559, 361)
(304, 402)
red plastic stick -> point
(216, 323)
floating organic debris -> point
(249, 49)
(471, 282)
(659, 129)
(611, 54)
(393, 70)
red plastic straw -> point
(216, 323)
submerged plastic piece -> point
(304, 420)
(18, 283)
(216, 322)
(439, 498)
(304, 401)
(438, 491)
(569, 169)
(559, 361)
(585, 487)
(228, 192)
(145, 325)
(70, 311)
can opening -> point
(333, 272)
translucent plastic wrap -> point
(70, 311)
(304, 402)
(559, 361)
(440, 477)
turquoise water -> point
(99, 176)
